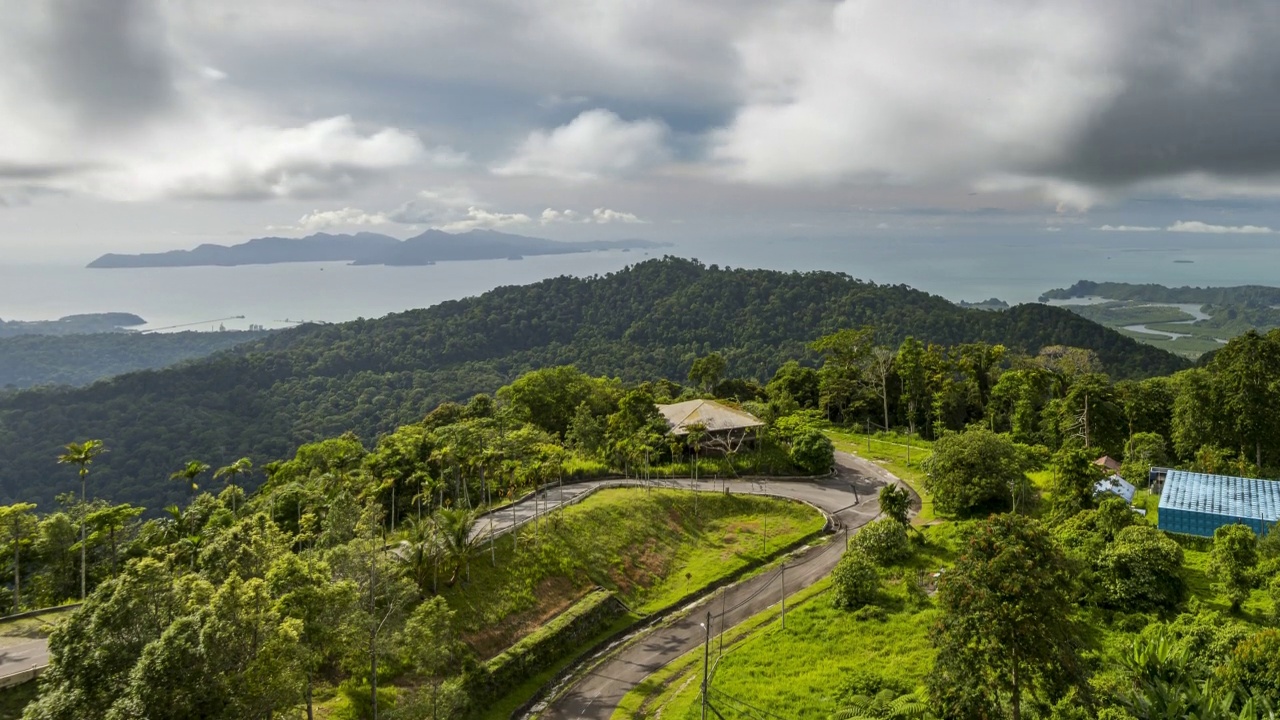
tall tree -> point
(843, 379)
(1247, 374)
(880, 367)
(82, 456)
(109, 523)
(1074, 476)
(973, 471)
(706, 371)
(1005, 628)
(231, 473)
(188, 474)
(307, 591)
(914, 375)
(18, 524)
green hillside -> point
(371, 376)
(34, 360)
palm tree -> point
(423, 551)
(82, 456)
(239, 468)
(188, 474)
(454, 526)
(175, 524)
(192, 544)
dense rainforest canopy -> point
(34, 360)
(648, 321)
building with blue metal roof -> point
(1197, 504)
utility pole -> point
(908, 447)
(706, 653)
(846, 539)
(783, 576)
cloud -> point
(1127, 228)
(1076, 99)
(96, 99)
(324, 219)
(481, 219)
(1195, 226)
(599, 216)
(595, 144)
(1192, 226)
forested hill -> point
(32, 360)
(645, 322)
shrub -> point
(813, 451)
(868, 613)
(1232, 560)
(1255, 664)
(884, 541)
(855, 580)
(1274, 590)
(1141, 570)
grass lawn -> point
(651, 547)
(798, 673)
(890, 450)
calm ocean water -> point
(959, 268)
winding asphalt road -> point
(849, 497)
(22, 656)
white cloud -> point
(324, 219)
(913, 91)
(600, 216)
(1127, 228)
(605, 215)
(595, 144)
(1196, 226)
(481, 219)
(95, 98)
(254, 162)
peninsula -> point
(367, 249)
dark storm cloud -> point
(1201, 95)
(107, 59)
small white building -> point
(1115, 485)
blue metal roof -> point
(1234, 497)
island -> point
(72, 325)
(988, 304)
(367, 248)
(1189, 321)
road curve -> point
(23, 656)
(849, 497)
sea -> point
(1011, 268)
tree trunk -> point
(884, 395)
(17, 581)
(1015, 699)
(310, 710)
(83, 573)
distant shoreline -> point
(428, 248)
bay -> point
(1010, 267)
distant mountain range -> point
(367, 249)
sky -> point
(143, 125)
